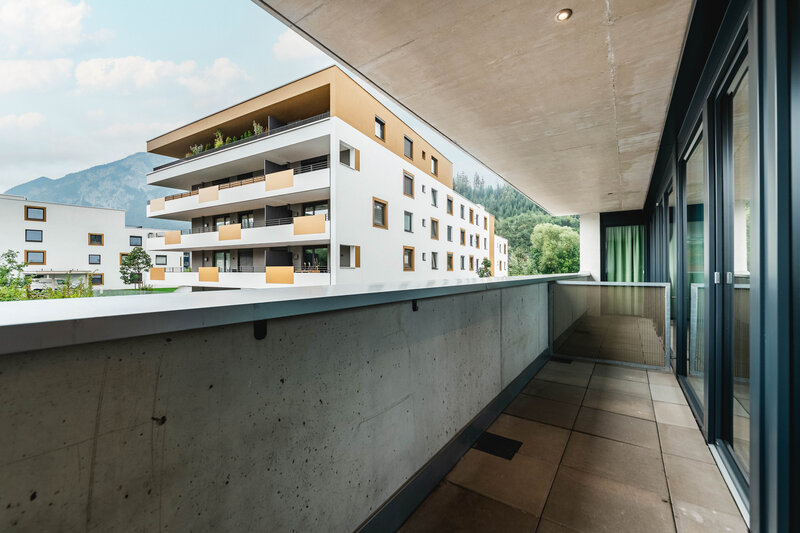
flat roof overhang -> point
(570, 113)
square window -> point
(434, 166)
(408, 184)
(38, 214)
(434, 229)
(408, 258)
(380, 213)
(434, 260)
(95, 239)
(161, 259)
(97, 279)
(408, 221)
(408, 147)
(35, 257)
(135, 240)
(449, 261)
(449, 205)
(33, 235)
(450, 233)
(380, 128)
(94, 259)
(434, 198)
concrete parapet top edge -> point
(39, 324)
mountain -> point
(120, 185)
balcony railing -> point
(274, 131)
(311, 269)
(249, 225)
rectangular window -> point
(97, 279)
(485, 244)
(462, 211)
(471, 262)
(463, 237)
(162, 259)
(408, 147)
(434, 166)
(408, 258)
(449, 261)
(33, 235)
(485, 222)
(434, 260)
(380, 128)
(462, 263)
(471, 217)
(434, 229)
(450, 233)
(95, 239)
(35, 257)
(477, 241)
(94, 259)
(408, 184)
(449, 205)
(471, 238)
(380, 213)
(122, 258)
(346, 256)
(35, 213)
(434, 198)
(135, 240)
(408, 221)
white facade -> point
(60, 243)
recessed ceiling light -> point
(563, 15)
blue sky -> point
(88, 82)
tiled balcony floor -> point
(598, 448)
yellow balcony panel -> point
(279, 180)
(280, 274)
(172, 237)
(157, 204)
(230, 232)
(208, 273)
(209, 194)
(157, 274)
(309, 224)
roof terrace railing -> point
(273, 131)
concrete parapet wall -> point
(309, 429)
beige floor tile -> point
(616, 402)
(619, 461)
(541, 441)
(620, 385)
(684, 442)
(692, 518)
(699, 483)
(666, 393)
(451, 508)
(585, 502)
(618, 427)
(555, 391)
(576, 373)
(666, 379)
(522, 482)
(621, 372)
(543, 410)
(677, 415)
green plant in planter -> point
(234, 138)
(208, 146)
(258, 129)
(227, 140)
(196, 149)
(218, 141)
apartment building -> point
(334, 189)
(57, 240)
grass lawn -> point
(126, 292)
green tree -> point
(12, 280)
(485, 270)
(136, 262)
(519, 263)
(555, 249)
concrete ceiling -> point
(570, 112)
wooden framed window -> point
(408, 147)
(449, 261)
(486, 223)
(380, 128)
(463, 237)
(36, 257)
(434, 229)
(96, 239)
(380, 213)
(408, 184)
(97, 279)
(449, 205)
(35, 213)
(122, 257)
(471, 216)
(472, 262)
(408, 258)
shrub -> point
(258, 129)
(208, 146)
(196, 149)
(218, 141)
(227, 140)
(234, 138)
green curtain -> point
(625, 253)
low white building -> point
(59, 240)
(335, 190)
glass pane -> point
(696, 208)
(741, 265)
(671, 272)
(625, 253)
(378, 215)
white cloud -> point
(42, 27)
(221, 73)
(291, 46)
(25, 121)
(96, 113)
(137, 130)
(131, 71)
(32, 74)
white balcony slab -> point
(262, 237)
(240, 280)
